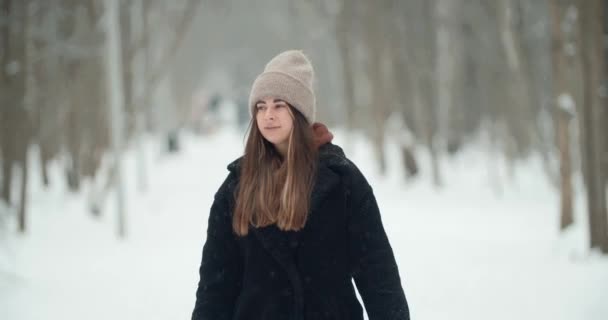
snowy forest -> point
(481, 124)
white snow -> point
(463, 251)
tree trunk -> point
(593, 70)
(603, 118)
(23, 198)
(14, 129)
(565, 170)
(115, 86)
(343, 29)
(561, 117)
(403, 83)
(43, 165)
(7, 165)
(432, 103)
(375, 50)
(495, 133)
(138, 69)
(444, 13)
(518, 86)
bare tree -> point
(564, 105)
(344, 33)
(420, 55)
(115, 86)
(14, 116)
(375, 43)
(593, 55)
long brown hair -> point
(272, 189)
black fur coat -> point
(304, 275)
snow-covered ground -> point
(465, 251)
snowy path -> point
(463, 252)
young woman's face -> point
(275, 122)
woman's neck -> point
(281, 149)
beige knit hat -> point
(288, 77)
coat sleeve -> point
(221, 266)
(373, 263)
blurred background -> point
(481, 124)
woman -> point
(295, 221)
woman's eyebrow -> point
(278, 100)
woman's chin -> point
(274, 140)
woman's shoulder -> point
(235, 165)
(230, 182)
(333, 157)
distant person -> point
(295, 220)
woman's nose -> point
(269, 114)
